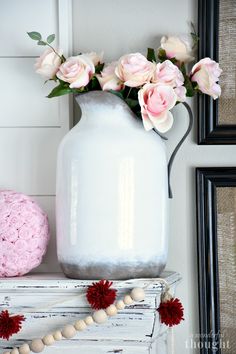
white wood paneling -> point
(28, 159)
(19, 17)
(23, 99)
(31, 125)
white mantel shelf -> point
(49, 301)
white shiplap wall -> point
(31, 125)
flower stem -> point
(53, 50)
(130, 89)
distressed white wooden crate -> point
(134, 330)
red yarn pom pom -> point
(100, 296)
(9, 325)
(171, 312)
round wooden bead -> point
(68, 331)
(37, 345)
(24, 349)
(120, 305)
(128, 300)
(80, 325)
(100, 316)
(137, 294)
(15, 351)
(89, 320)
(57, 335)
(111, 310)
(48, 339)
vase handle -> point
(170, 163)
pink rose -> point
(108, 79)
(95, 57)
(78, 71)
(177, 47)
(180, 93)
(134, 70)
(167, 73)
(156, 101)
(47, 64)
(206, 73)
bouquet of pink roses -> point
(151, 86)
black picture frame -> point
(207, 180)
(209, 129)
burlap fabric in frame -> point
(226, 236)
(227, 60)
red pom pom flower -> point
(171, 312)
(100, 295)
(9, 325)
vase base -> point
(112, 272)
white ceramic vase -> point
(112, 194)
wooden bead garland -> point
(36, 346)
(89, 320)
(137, 294)
(111, 310)
(48, 339)
(100, 316)
(120, 305)
(128, 300)
(69, 331)
(57, 335)
(80, 325)
(15, 351)
(24, 349)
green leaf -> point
(95, 83)
(51, 38)
(60, 90)
(36, 36)
(41, 43)
(183, 69)
(162, 55)
(173, 60)
(151, 54)
(189, 87)
(118, 93)
(131, 102)
(79, 91)
(195, 39)
(194, 35)
(99, 68)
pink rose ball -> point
(24, 234)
